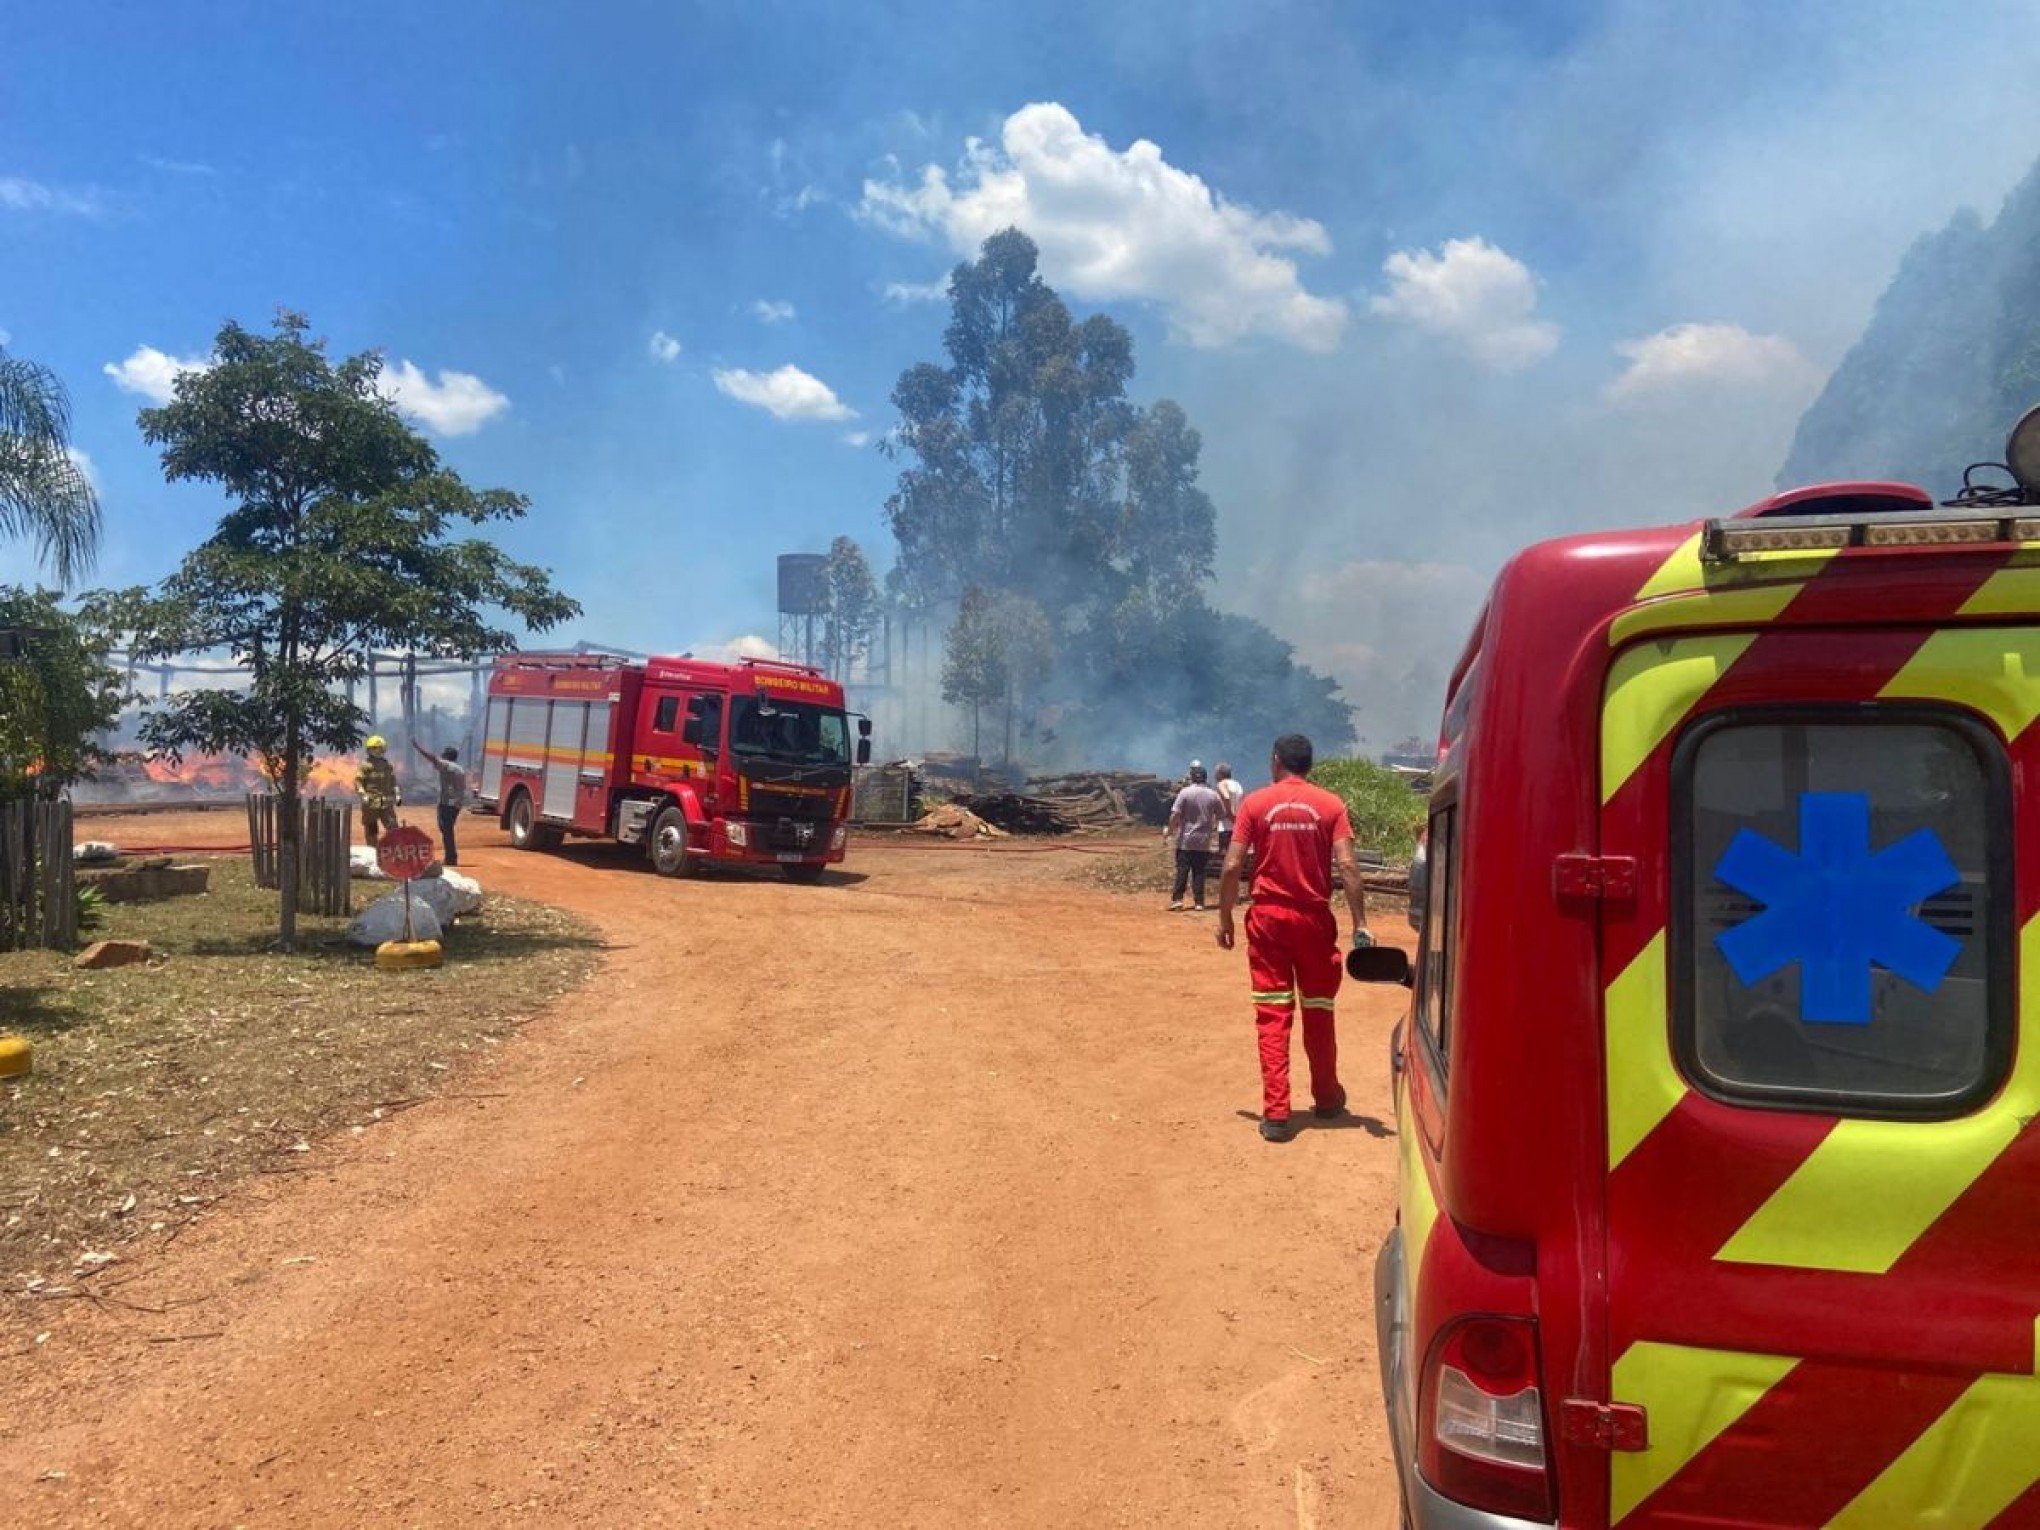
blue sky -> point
(1432, 280)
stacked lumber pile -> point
(1093, 802)
(1018, 814)
(1109, 798)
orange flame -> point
(333, 776)
(228, 773)
(207, 772)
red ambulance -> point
(698, 763)
(1716, 1101)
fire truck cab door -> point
(1821, 1030)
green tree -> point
(974, 660)
(1011, 450)
(853, 607)
(58, 695)
(1026, 472)
(1168, 533)
(1026, 645)
(44, 495)
(338, 541)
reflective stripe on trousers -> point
(1292, 956)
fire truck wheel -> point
(669, 844)
(803, 873)
(526, 832)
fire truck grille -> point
(768, 804)
(794, 834)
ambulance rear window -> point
(1842, 910)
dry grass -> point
(156, 1088)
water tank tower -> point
(803, 603)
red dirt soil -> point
(928, 1196)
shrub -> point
(1385, 812)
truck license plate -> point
(792, 856)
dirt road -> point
(930, 1196)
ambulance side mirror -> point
(864, 751)
(864, 727)
(1379, 964)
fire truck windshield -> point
(791, 731)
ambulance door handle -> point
(1395, 1057)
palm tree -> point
(43, 494)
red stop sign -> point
(405, 852)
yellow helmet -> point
(376, 744)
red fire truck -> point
(1718, 1103)
(700, 763)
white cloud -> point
(151, 373)
(857, 438)
(1684, 357)
(1474, 294)
(18, 194)
(787, 394)
(663, 347)
(906, 294)
(457, 404)
(1121, 225)
(728, 650)
(799, 202)
(83, 464)
(771, 311)
(177, 166)
(6, 338)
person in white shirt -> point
(1230, 793)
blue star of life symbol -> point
(1836, 909)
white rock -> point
(468, 890)
(383, 920)
(361, 865)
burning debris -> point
(201, 780)
(1092, 802)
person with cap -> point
(452, 795)
(1193, 823)
(1296, 833)
(376, 785)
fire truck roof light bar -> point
(1725, 541)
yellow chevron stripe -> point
(1864, 1196)
(1643, 1086)
(1992, 670)
(1966, 1468)
(1414, 1194)
(1651, 688)
(1691, 1395)
(2013, 590)
(1686, 592)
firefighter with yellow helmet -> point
(376, 785)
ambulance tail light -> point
(1483, 1417)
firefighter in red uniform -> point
(1295, 832)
